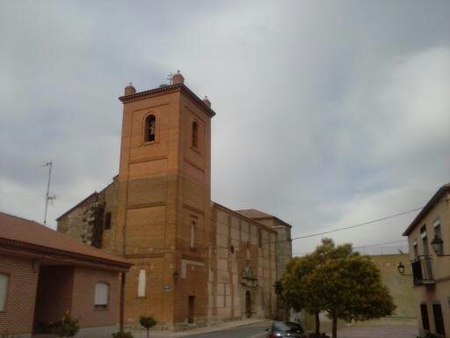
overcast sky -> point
(329, 113)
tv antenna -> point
(48, 197)
(170, 78)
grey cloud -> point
(319, 105)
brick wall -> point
(84, 281)
(18, 315)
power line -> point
(316, 234)
(379, 244)
(357, 225)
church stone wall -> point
(86, 221)
(243, 267)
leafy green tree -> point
(296, 281)
(147, 323)
(351, 289)
(339, 281)
(295, 288)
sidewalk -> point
(377, 331)
(200, 330)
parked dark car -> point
(285, 329)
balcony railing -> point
(422, 271)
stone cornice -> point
(169, 89)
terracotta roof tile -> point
(19, 230)
(253, 213)
(256, 214)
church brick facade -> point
(194, 261)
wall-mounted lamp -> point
(401, 269)
(438, 246)
(176, 275)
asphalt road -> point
(250, 331)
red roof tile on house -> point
(18, 231)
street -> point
(249, 331)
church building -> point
(194, 261)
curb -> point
(201, 330)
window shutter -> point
(3, 289)
(101, 295)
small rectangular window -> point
(101, 296)
(437, 229)
(415, 250)
(4, 279)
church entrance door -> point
(248, 304)
(191, 304)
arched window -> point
(150, 128)
(195, 134)
(101, 296)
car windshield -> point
(282, 327)
(293, 325)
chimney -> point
(207, 102)
(130, 89)
(177, 78)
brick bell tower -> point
(164, 203)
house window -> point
(150, 128)
(195, 134)
(107, 221)
(101, 296)
(4, 279)
(415, 250)
(423, 235)
(142, 283)
(424, 315)
(260, 238)
(438, 319)
(438, 231)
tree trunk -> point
(317, 320)
(334, 332)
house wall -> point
(84, 280)
(19, 310)
(439, 293)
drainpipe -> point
(122, 301)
